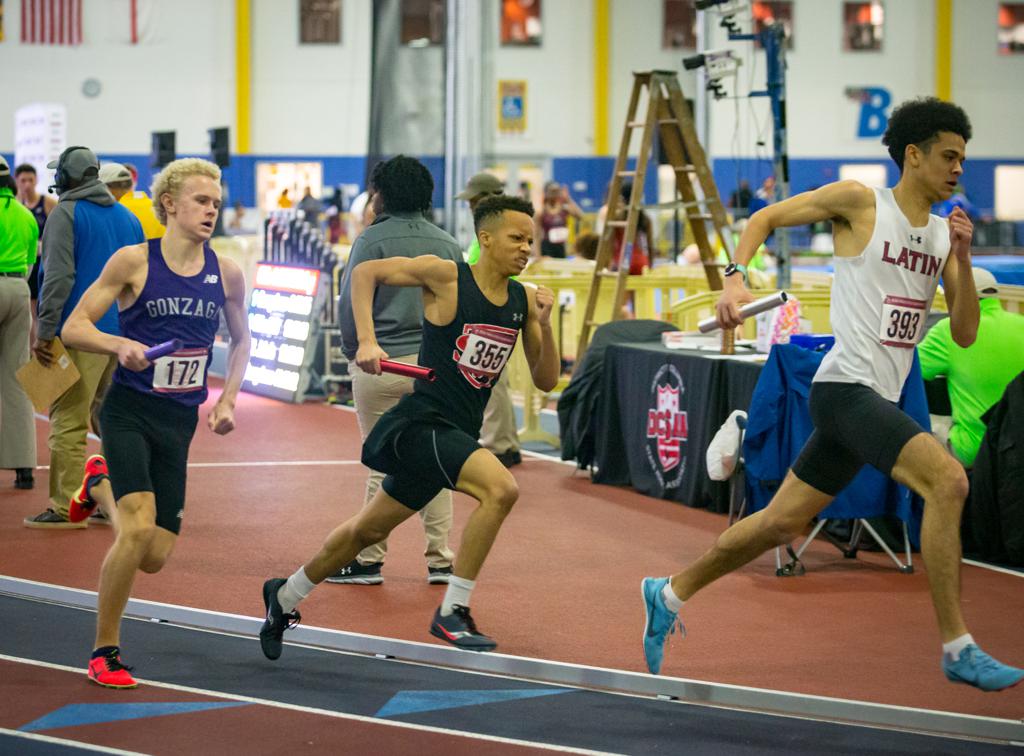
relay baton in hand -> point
(411, 371)
(748, 310)
(161, 349)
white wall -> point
(315, 99)
(822, 120)
(635, 36)
(150, 87)
(989, 86)
(309, 99)
(559, 76)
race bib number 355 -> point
(902, 322)
(482, 351)
(182, 371)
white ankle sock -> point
(459, 590)
(672, 601)
(294, 590)
(955, 646)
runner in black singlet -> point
(428, 441)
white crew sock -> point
(955, 646)
(294, 590)
(459, 590)
(672, 602)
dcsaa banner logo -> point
(667, 430)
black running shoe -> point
(459, 629)
(439, 575)
(277, 620)
(355, 573)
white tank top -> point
(881, 298)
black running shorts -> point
(419, 455)
(853, 426)
(145, 441)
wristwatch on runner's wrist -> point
(732, 268)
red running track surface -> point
(562, 582)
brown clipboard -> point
(44, 385)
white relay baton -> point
(748, 310)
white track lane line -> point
(321, 712)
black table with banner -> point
(658, 412)
(661, 407)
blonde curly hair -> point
(173, 177)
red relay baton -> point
(410, 371)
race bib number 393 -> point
(182, 371)
(902, 321)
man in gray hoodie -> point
(402, 189)
(85, 229)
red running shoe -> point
(82, 503)
(108, 671)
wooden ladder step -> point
(617, 223)
(626, 174)
(675, 204)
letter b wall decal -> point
(874, 110)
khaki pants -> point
(17, 423)
(69, 423)
(374, 395)
(499, 430)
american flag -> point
(51, 22)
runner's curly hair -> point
(173, 177)
(919, 122)
(405, 185)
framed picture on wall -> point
(319, 22)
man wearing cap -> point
(82, 233)
(498, 433)
(120, 180)
(19, 235)
(979, 374)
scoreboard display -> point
(283, 312)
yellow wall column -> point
(243, 75)
(944, 49)
(601, 57)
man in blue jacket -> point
(85, 229)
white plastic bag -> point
(722, 451)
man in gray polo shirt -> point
(403, 188)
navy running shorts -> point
(419, 455)
(146, 440)
(853, 426)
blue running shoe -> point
(660, 622)
(975, 667)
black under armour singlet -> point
(469, 353)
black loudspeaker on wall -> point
(220, 151)
(163, 149)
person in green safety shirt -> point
(19, 234)
(979, 374)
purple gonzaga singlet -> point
(174, 307)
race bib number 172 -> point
(902, 322)
(182, 371)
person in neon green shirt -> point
(979, 374)
(19, 234)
